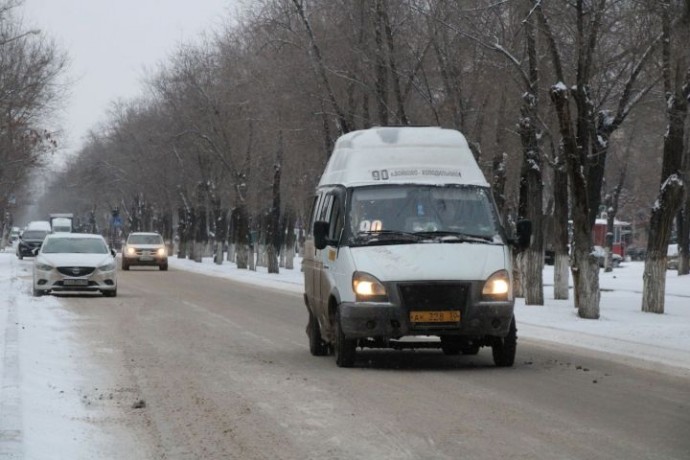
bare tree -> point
(676, 76)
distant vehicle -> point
(636, 252)
(144, 248)
(62, 222)
(30, 240)
(43, 225)
(75, 262)
(14, 234)
(600, 254)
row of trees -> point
(30, 68)
(565, 104)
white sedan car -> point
(75, 262)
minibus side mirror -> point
(524, 234)
(320, 234)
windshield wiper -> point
(457, 236)
(387, 236)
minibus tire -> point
(450, 346)
(503, 349)
(345, 349)
(317, 346)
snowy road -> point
(186, 366)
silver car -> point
(75, 262)
(144, 248)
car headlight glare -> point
(161, 252)
(107, 267)
(44, 267)
(368, 288)
(497, 287)
(131, 251)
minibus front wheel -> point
(504, 348)
(345, 349)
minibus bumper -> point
(386, 320)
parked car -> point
(29, 241)
(144, 248)
(600, 253)
(636, 252)
(14, 235)
(75, 262)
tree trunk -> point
(672, 190)
(561, 278)
(684, 235)
(531, 181)
(241, 237)
(561, 265)
(585, 269)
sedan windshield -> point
(451, 213)
(74, 246)
(34, 235)
(145, 239)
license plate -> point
(76, 282)
(449, 316)
(147, 258)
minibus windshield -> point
(457, 212)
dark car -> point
(636, 252)
(29, 241)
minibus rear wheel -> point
(317, 346)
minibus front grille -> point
(437, 296)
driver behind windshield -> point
(414, 209)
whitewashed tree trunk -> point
(261, 256)
(654, 283)
(198, 251)
(518, 288)
(533, 277)
(290, 257)
(561, 271)
(231, 252)
(218, 253)
(586, 281)
(281, 257)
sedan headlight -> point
(110, 266)
(43, 267)
(368, 288)
(497, 287)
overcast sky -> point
(112, 44)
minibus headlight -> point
(161, 252)
(368, 288)
(131, 251)
(497, 287)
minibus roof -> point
(377, 156)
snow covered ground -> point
(42, 368)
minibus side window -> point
(313, 214)
(336, 220)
